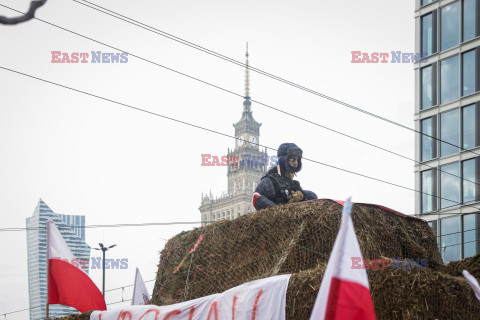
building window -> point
(469, 19)
(469, 235)
(450, 239)
(450, 26)
(449, 132)
(458, 237)
(428, 36)
(469, 175)
(428, 189)
(428, 143)
(468, 73)
(469, 127)
(428, 91)
(449, 185)
(424, 2)
(449, 79)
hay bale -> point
(282, 239)
(396, 294)
(471, 264)
(298, 239)
(82, 316)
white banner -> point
(262, 299)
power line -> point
(269, 75)
(263, 104)
(227, 135)
(447, 234)
(36, 307)
(118, 302)
(113, 225)
(258, 102)
(239, 63)
(130, 285)
(439, 213)
(16, 311)
(145, 224)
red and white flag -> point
(140, 293)
(67, 284)
(344, 293)
(473, 283)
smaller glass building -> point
(72, 228)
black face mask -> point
(291, 153)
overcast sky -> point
(82, 155)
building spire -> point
(247, 103)
(247, 88)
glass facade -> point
(449, 79)
(428, 97)
(72, 229)
(446, 108)
(449, 185)
(469, 126)
(428, 143)
(428, 35)
(457, 185)
(450, 239)
(468, 73)
(449, 132)
(458, 237)
(469, 235)
(450, 26)
(428, 190)
(469, 174)
(469, 19)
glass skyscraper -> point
(447, 107)
(72, 228)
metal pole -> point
(48, 267)
(103, 250)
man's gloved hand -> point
(295, 196)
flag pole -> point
(48, 262)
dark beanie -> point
(286, 151)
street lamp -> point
(103, 248)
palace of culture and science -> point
(244, 177)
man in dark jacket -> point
(277, 186)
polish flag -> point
(67, 284)
(140, 292)
(344, 293)
(473, 283)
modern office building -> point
(447, 102)
(72, 229)
(245, 172)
